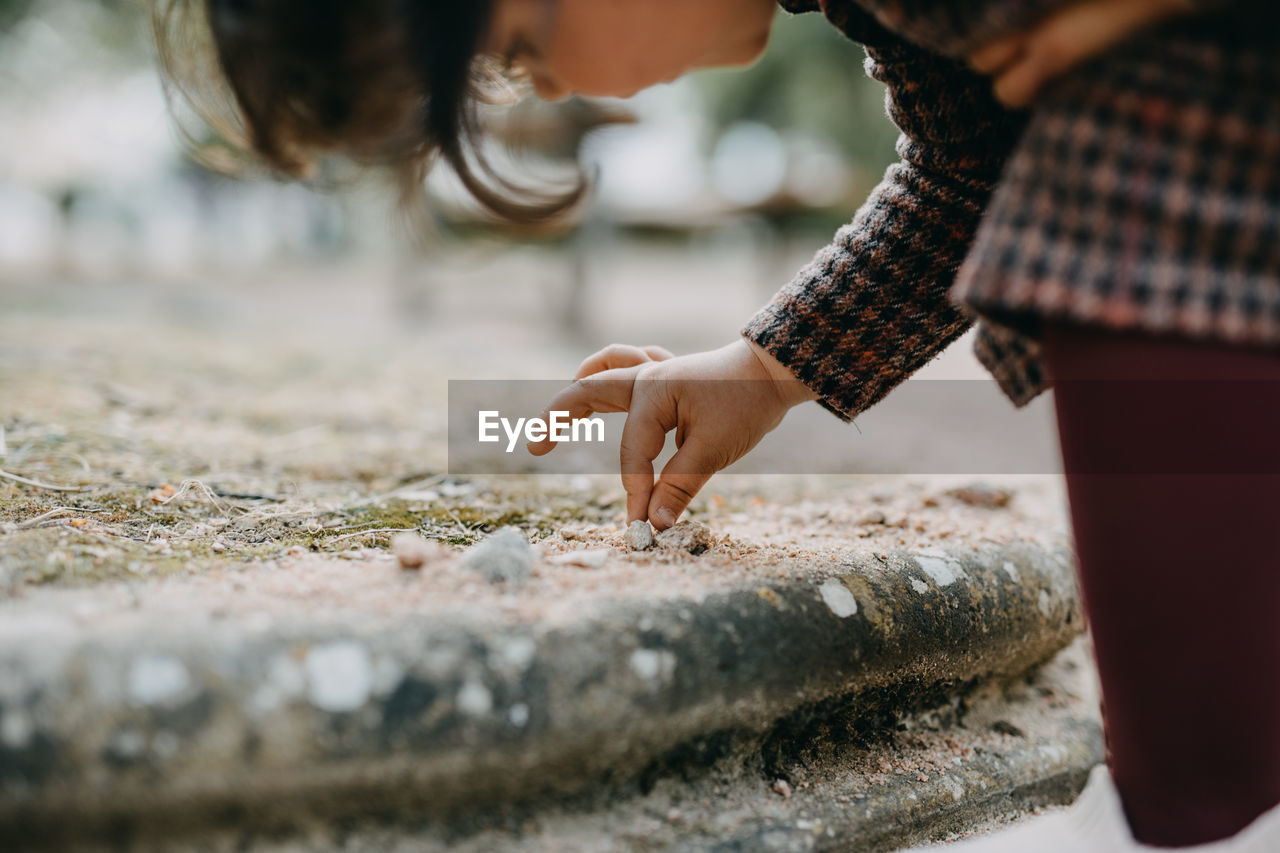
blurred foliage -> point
(12, 11)
(112, 33)
(811, 78)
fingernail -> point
(665, 517)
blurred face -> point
(618, 47)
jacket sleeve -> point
(872, 307)
(958, 27)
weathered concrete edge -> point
(907, 812)
(476, 713)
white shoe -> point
(1095, 823)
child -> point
(1127, 228)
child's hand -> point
(720, 403)
(1023, 62)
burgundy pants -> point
(1173, 473)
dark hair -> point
(387, 83)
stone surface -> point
(587, 558)
(165, 713)
(976, 762)
(207, 645)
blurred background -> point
(135, 285)
(734, 176)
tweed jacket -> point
(1141, 192)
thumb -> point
(682, 478)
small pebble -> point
(639, 535)
(411, 550)
(982, 495)
(690, 536)
(873, 517)
(217, 547)
(780, 786)
(506, 555)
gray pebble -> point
(506, 555)
(639, 535)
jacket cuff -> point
(774, 330)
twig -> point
(379, 530)
(190, 485)
(413, 484)
(102, 534)
(242, 496)
(53, 513)
(37, 484)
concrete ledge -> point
(150, 727)
(906, 811)
(972, 764)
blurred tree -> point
(12, 11)
(116, 31)
(810, 79)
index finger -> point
(620, 355)
(608, 391)
(609, 358)
(643, 437)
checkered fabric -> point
(1142, 192)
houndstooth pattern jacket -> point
(1142, 192)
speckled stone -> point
(691, 536)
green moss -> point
(118, 525)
